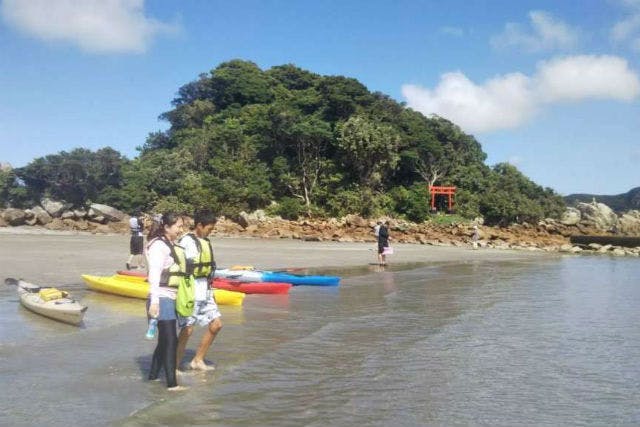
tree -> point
(369, 149)
(75, 177)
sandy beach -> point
(61, 257)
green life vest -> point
(176, 277)
(204, 265)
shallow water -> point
(549, 341)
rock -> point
(109, 213)
(618, 252)
(629, 223)
(243, 219)
(68, 215)
(571, 216)
(14, 216)
(355, 221)
(100, 219)
(598, 215)
(80, 213)
(41, 216)
(53, 207)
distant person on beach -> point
(199, 255)
(136, 243)
(376, 229)
(167, 266)
(383, 242)
(475, 237)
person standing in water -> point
(167, 267)
(475, 237)
(136, 243)
(199, 255)
(383, 242)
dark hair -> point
(157, 228)
(204, 217)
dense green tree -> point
(76, 177)
(241, 138)
(13, 193)
(369, 149)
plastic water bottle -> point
(153, 329)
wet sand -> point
(61, 257)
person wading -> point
(167, 268)
(199, 255)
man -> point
(136, 243)
(199, 254)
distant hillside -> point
(619, 203)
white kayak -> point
(49, 302)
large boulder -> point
(630, 223)
(243, 219)
(54, 207)
(571, 216)
(97, 210)
(14, 216)
(41, 216)
(598, 215)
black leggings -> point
(165, 352)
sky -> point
(552, 87)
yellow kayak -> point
(136, 287)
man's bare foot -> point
(177, 388)
(199, 365)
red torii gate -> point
(436, 190)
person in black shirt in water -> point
(383, 242)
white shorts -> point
(204, 312)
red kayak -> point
(232, 285)
(252, 287)
(134, 273)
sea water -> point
(548, 341)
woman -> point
(383, 242)
(167, 266)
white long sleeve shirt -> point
(158, 259)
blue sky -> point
(552, 87)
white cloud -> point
(546, 33)
(97, 26)
(628, 29)
(477, 108)
(587, 76)
(511, 100)
(625, 29)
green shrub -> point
(288, 208)
(412, 203)
(172, 204)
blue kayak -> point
(276, 276)
(299, 279)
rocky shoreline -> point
(547, 235)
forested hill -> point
(619, 203)
(242, 138)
